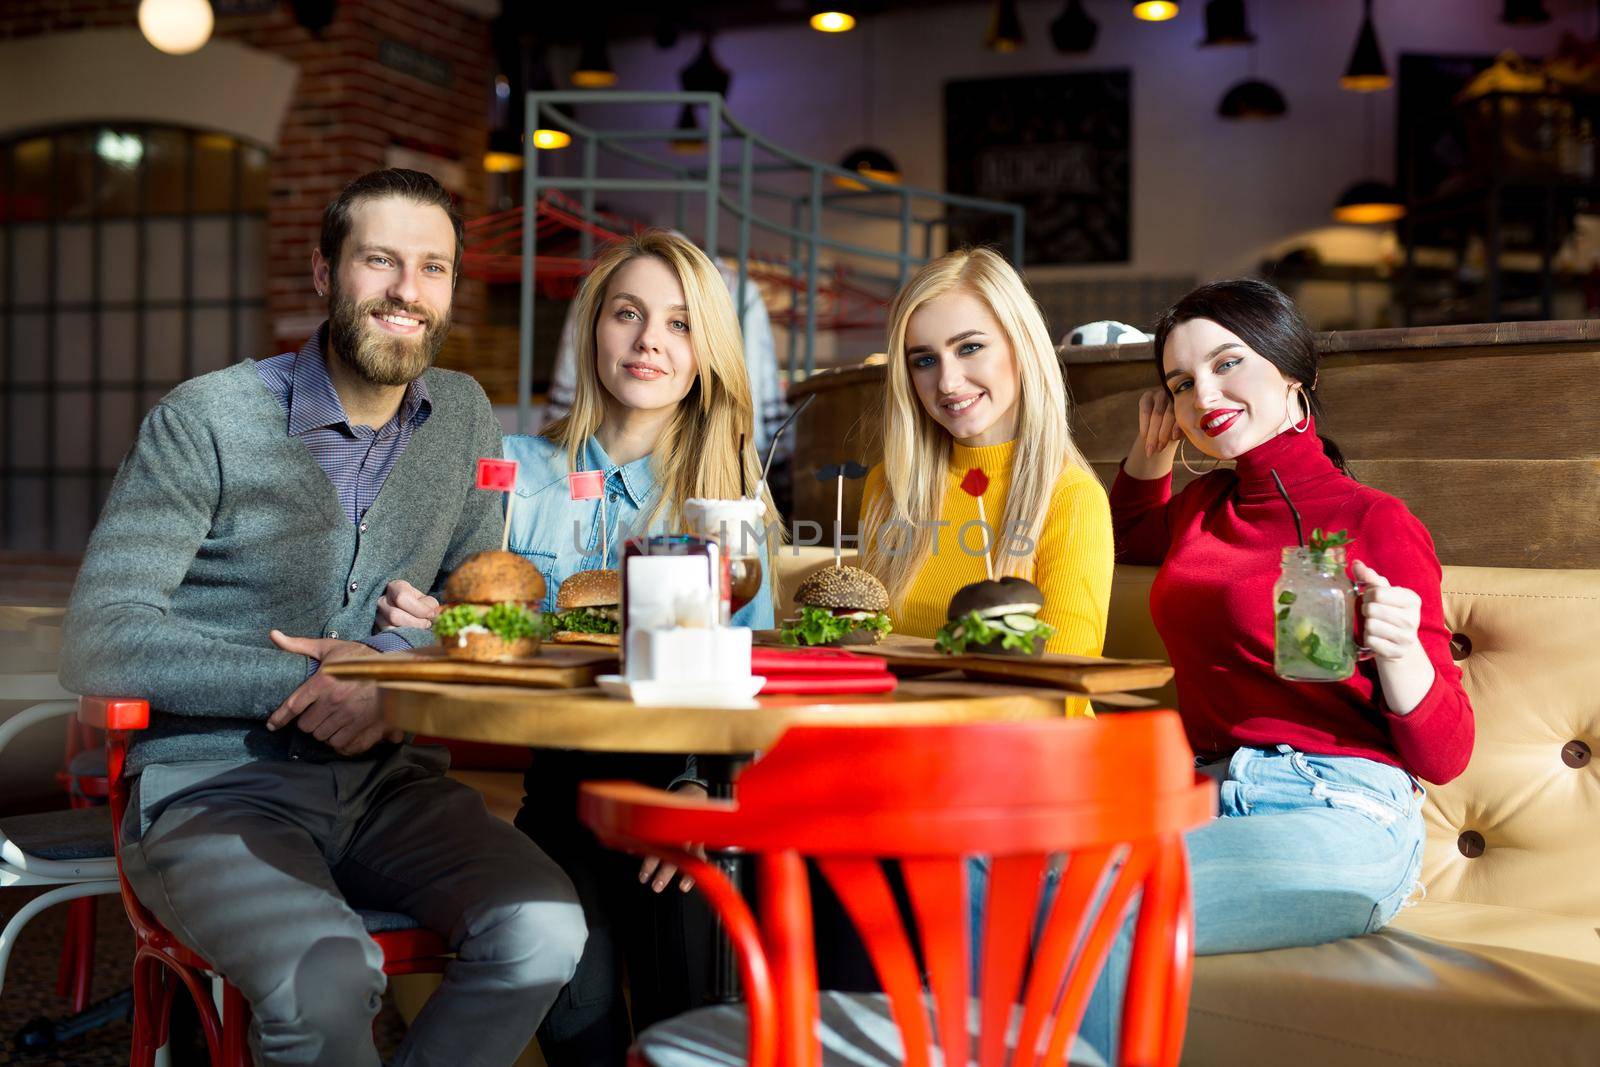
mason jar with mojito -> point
(1316, 607)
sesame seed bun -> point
(850, 588)
(493, 577)
(590, 589)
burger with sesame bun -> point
(589, 609)
(491, 609)
(998, 617)
(839, 606)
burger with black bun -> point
(997, 617)
(839, 606)
(589, 609)
(491, 609)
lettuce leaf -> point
(972, 629)
(819, 626)
(507, 620)
(584, 621)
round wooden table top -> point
(588, 719)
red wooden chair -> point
(161, 963)
(1114, 795)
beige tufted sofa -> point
(1500, 964)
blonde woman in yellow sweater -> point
(973, 381)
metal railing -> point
(726, 181)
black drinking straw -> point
(1299, 531)
(772, 450)
(742, 484)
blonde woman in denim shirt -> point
(662, 399)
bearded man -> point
(275, 498)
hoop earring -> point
(1185, 461)
(1306, 404)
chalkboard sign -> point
(1060, 145)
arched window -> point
(131, 258)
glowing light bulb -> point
(1155, 10)
(176, 27)
(833, 22)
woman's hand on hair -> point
(1154, 447)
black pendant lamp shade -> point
(594, 70)
(1369, 202)
(1524, 13)
(314, 15)
(1252, 99)
(870, 162)
(704, 74)
(1366, 72)
(1225, 24)
(1073, 30)
(1005, 27)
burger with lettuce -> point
(998, 617)
(589, 609)
(839, 606)
(491, 609)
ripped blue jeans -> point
(1304, 849)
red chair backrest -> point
(1113, 794)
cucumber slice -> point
(1020, 623)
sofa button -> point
(1575, 754)
(1460, 647)
(1470, 843)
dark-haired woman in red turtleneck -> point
(1319, 834)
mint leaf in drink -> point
(1286, 597)
(1333, 539)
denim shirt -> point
(561, 536)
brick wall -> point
(348, 109)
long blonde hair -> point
(698, 453)
(916, 449)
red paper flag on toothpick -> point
(586, 485)
(591, 485)
(974, 485)
(500, 476)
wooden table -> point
(588, 719)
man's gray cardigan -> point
(220, 527)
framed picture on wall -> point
(1060, 145)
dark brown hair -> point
(1262, 317)
(413, 185)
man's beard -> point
(380, 358)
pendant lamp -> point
(1253, 99)
(1366, 72)
(1155, 10)
(1225, 24)
(1073, 30)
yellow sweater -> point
(1071, 564)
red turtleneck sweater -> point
(1219, 545)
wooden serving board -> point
(1077, 674)
(555, 667)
